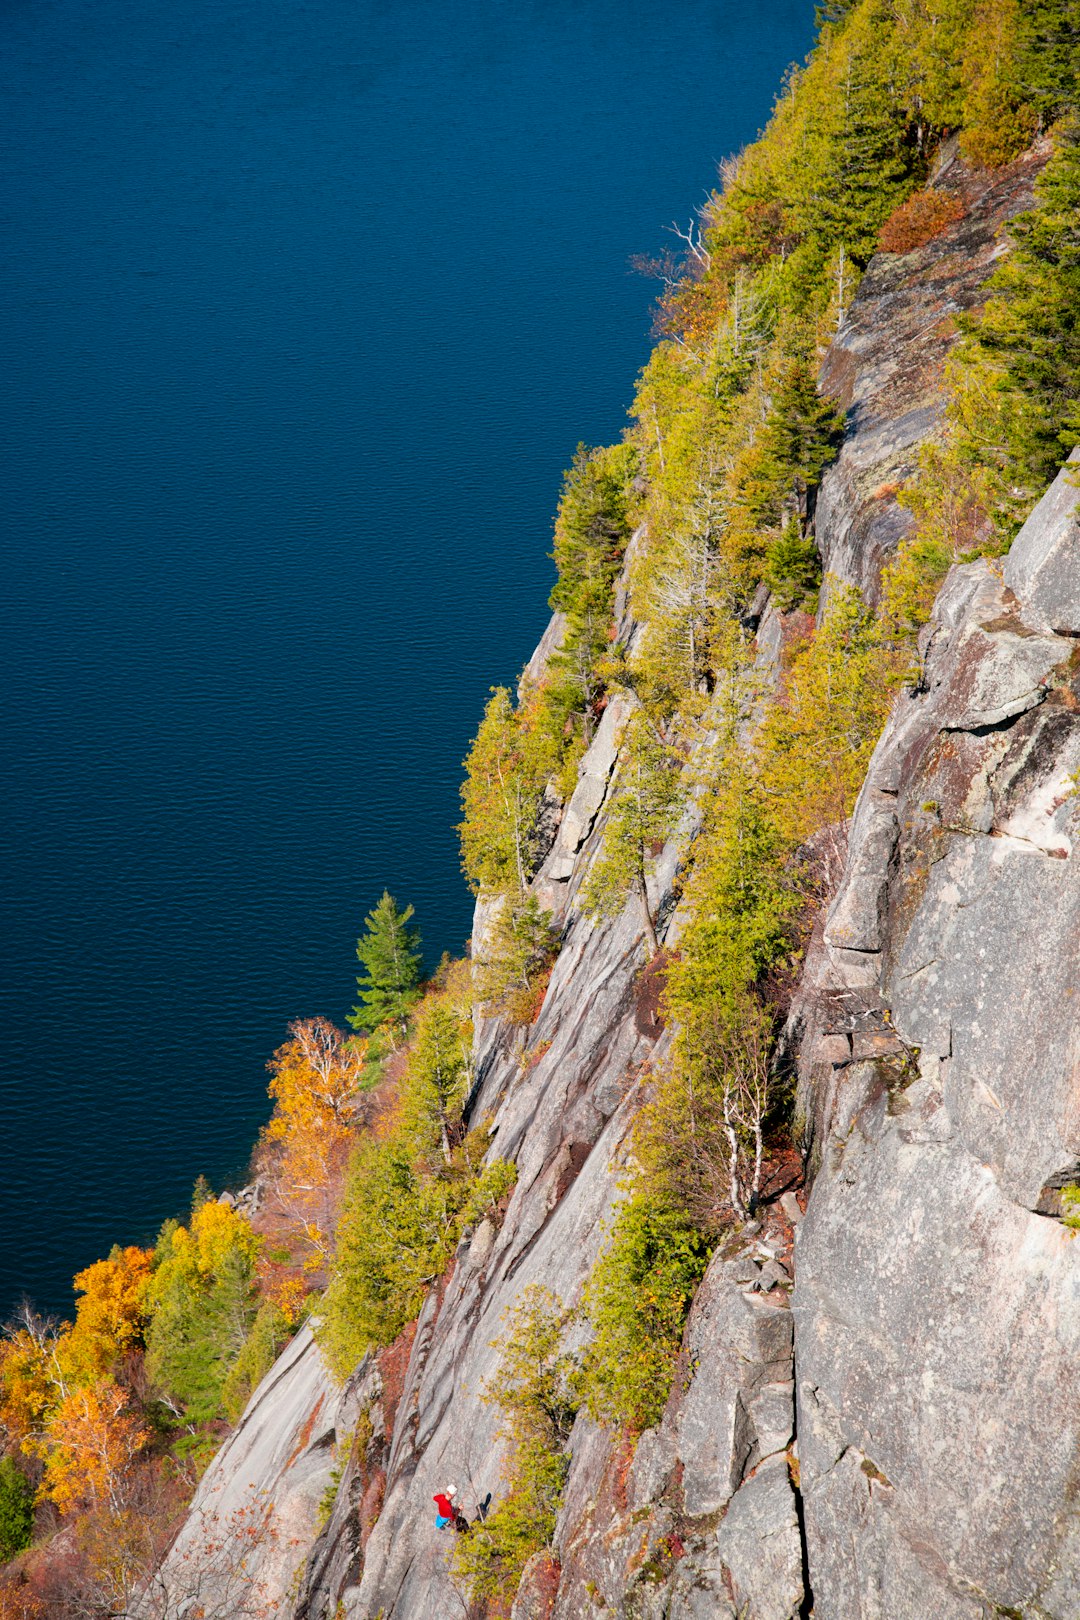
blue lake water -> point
(307, 303)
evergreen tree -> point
(803, 429)
(591, 532)
(1048, 70)
(16, 1510)
(857, 165)
(516, 953)
(998, 122)
(792, 568)
(390, 955)
(507, 766)
(203, 1302)
(832, 12)
(1031, 325)
(202, 1193)
(647, 802)
(269, 1333)
(436, 1080)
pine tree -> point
(1030, 326)
(390, 955)
(860, 167)
(511, 759)
(803, 429)
(792, 567)
(998, 122)
(437, 1078)
(832, 12)
(1048, 69)
(201, 1193)
(16, 1509)
(647, 802)
(591, 532)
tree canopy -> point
(389, 952)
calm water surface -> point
(308, 305)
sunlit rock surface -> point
(916, 1458)
(938, 1293)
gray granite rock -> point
(885, 367)
(738, 1342)
(256, 1509)
(701, 1592)
(549, 644)
(594, 777)
(760, 1545)
(1043, 565)
(937, 1315)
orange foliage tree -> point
(111, 1315)
(315, 1079)
(93, 1442)
(19, 1602)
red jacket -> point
(444, 1505)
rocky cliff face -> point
(938, 1296)
(875, 1413)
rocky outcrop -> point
(561, 1106)
(886, 362)
(938, 1298)
(873, 1418)
(700, 1520)
(255, 1514)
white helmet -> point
(451, 1490)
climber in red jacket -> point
(449, 1513)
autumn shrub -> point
(636, 1301)
(95, 1436)
(19, 1602)
(535, 1392)
(917, 221)
(111, 1311)
(315, 1080)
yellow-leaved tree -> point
(316, 1075)
(110, 1316)
(93, 1440)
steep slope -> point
(931, 1142)
(938, 1297)
(885, 364)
